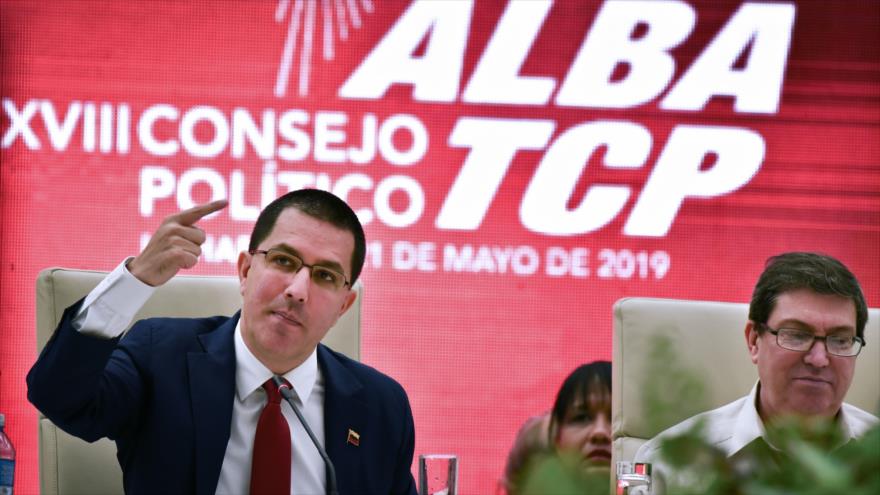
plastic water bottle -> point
(7, 460)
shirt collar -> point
(750, 426)
(250, 373)
(843, 422)
(748, 423)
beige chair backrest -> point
(708, 339)
(69, 465)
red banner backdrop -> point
(518, 166)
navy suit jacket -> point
(164, 394)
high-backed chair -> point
(69, 465)
(708, 340)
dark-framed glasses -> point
(285, 262)
(794, 339)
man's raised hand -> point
(176, 244)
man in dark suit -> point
(186, 399)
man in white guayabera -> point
(806, 328)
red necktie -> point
(270, 467)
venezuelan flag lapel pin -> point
(354, 438)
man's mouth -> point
(812, 380)
(287, 317)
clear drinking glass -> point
(633, 478)
(438, 474)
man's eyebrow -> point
(801, 325)
(333, 265)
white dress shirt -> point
(733, 427)
(307, 468)
(109, 309)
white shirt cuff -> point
(112, 305)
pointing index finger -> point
(196, 213)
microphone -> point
(284, 388)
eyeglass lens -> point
(798, 340)
(289, 263)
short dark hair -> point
(320, 205)
(797, 270)
(585, 379)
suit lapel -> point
(212, 389)
(344, 411)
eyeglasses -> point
(285, 262)
(802, 341)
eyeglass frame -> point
(824, 339)
(303, 264)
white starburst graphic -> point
(346, 13)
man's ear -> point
(752, 339)
(349, 300)
(244, 267)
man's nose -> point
(299, 284)
(817, 356)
